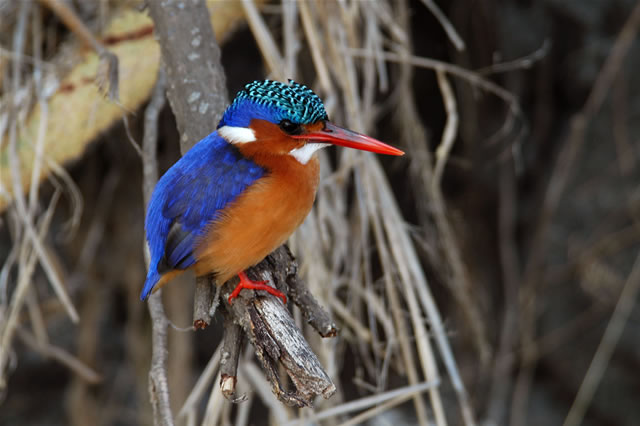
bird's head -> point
(272, 118)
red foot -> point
(246, 282)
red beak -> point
(338, 136)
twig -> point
(620, 113)
(519, 63)
(361, 332)
(36, 241)
(453, 35)
(313, 312)
(150, 137)
(612, 333)
(460, 281)
(450, 129)
(202, 301)
(158, 383)
(231, 347)
(471, 77)
(9, 326)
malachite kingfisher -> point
(240, 192)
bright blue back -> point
(188, 197)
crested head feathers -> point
(274, 101)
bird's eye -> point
(290, 127)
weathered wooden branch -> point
(204, 298)
(273, 333)
(198, 97)
(231, 348)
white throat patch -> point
(237, 134)
(305, 152)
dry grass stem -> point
(450, 129)
(290, 36)
(361, 332)
(453, 35)
(471, 77)
(204, 381)
(265, 40)
(213, 412)
(250, 372)
(27, 263)
(600, 361)
(311, 33)
(364, 403)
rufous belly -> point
(258, 221)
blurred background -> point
(496, 260)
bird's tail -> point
(152, 279)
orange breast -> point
(260, 220)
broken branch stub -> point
(275, 336)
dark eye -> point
(290, 127)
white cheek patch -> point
(305, 152)
(237, 134)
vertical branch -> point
(158, 383)
(231, 348)
(197, 88)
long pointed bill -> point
(338, 136)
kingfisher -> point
(240, 192)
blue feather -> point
(188, 197)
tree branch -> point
(158, 383)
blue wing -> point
(188, 197)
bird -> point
(240, 192)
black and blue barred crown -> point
(274, 101)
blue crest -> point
(274, 101)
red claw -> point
(249, 284)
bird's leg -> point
(248, 283)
